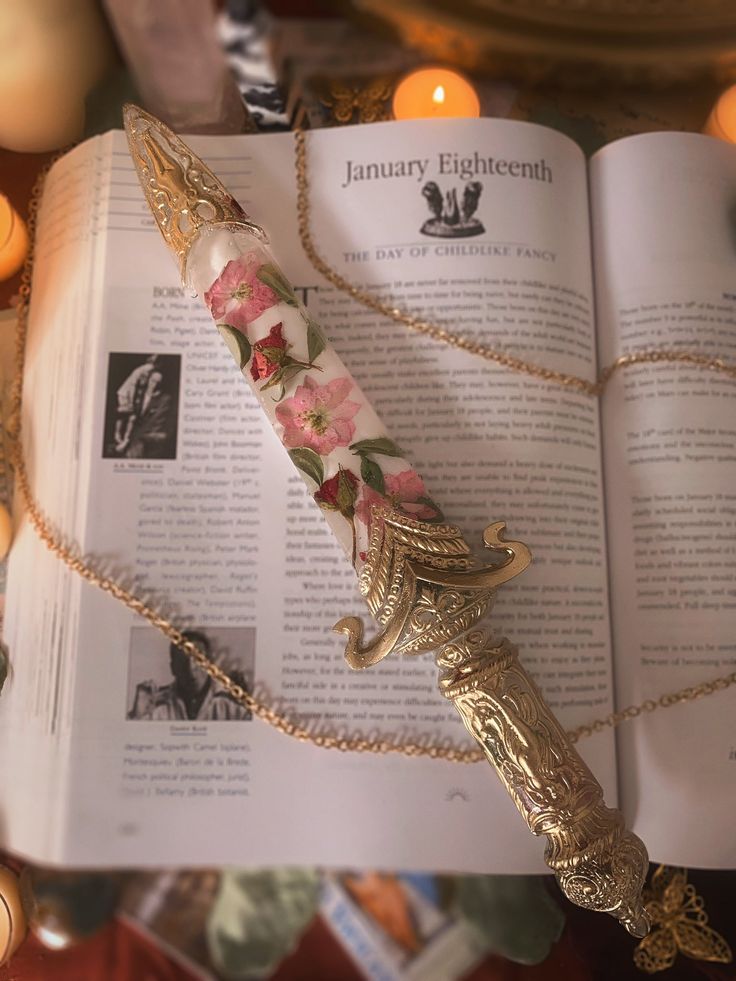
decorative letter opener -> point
(414, 570)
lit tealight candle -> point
(722, 120)
(12, 915)
(435, 93)
(13, 240)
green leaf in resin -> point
(237, 344)
(383, 446)
(309, 463)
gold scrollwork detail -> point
(182, 195)
(420, 584)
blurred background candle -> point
(52, 52)
(722, 120)
(13, 239)
(12, 915)
(435, 93)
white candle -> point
(51, 55)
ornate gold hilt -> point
(420, 583)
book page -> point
(41, 599)
(665, 247)
(198, 500)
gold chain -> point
(317, 735)
(594, 389)
(438, 333)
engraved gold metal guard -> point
(420, 584)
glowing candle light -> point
(13, 240)
(435, 93)
(722, 120)
(12, 915)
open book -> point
(147, 450)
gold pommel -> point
(182, 193)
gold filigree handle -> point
(421, 585)
(599, 864)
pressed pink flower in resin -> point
(368, 498)
(405, 491)
(318, 416)
(238, 296)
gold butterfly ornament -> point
(679, 924)
(370, 100)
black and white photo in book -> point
(165, 685)
(450, 218)
(142, 406)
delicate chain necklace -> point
(444, 336)
(318, 735)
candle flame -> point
(438, 95)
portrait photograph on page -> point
(165, 685)
(142, 406)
